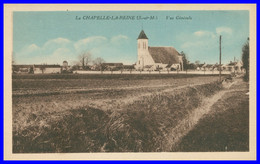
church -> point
(156, 58)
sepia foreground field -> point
(108, 113)
(225, 127)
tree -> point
(197, 62)
(31, 70)
(192, 66)
(42, 68)
(14, 67)
(184, 60)
(75, 65)
(245, 59)
(13, 58)
(98, 63)
(85, 59)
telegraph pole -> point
(220, 58)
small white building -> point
(65, 66)
(46, 69)
(234, 66)
(156, 58)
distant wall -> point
(47, 70)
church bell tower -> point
(142, 49)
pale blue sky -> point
(52, 37)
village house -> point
(234, 66)
(156, 58)
(209, 67)
(36, 69)
(112, 66)
(65, 66)
(128, 67)
(200, 67)
(231, 67)
(22, 69)
(46, 69)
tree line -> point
(85, 59)
(245, 59)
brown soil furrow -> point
(192, 119)
(187, 124)
(64, 88)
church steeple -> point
(142, 35)
(142, 50)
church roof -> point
(164, 55)
(142, 35)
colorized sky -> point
(52, 37)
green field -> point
(104, 113)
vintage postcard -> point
(129, 82)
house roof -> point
(142, 35)
(209, 65)
(164, 55)
(113, 64)
(22, 66)
(200, 65)
(148, 66)
(128, 66)
(232, 63)
(47, 66)
(38, 66)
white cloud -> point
(29, 50)
(59, 55)
(204, 34)
(57, 42)
(33, 47)
(60, 40)
(204, 39)
(190, 44)
(204, 45)
(61, 52)
(219, 31)
(56, 50)
(223, 30)
(89, 43)
(118, 39)
(198, 40)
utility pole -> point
(220, 58)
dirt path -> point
(192, 119)
(206, 109)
